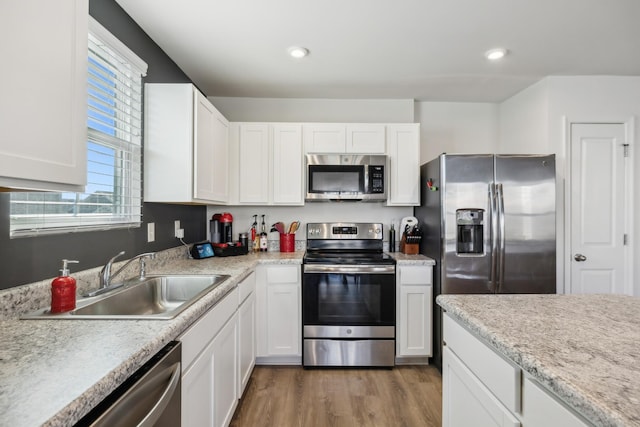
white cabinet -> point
(288, 165)
(186, 146)
(43, 107)
(253, 170)
(278, 314)
(465, 399)
(246, 331)
(414, 313)
(269, 164)
(481, 387)
(210, 366)
(541, 409)
(344, 138)
(403, 149)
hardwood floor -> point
(292, 396)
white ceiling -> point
(429, 50)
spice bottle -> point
(63, 290)
(263, 237)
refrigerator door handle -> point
(493, 215)
(501, 239)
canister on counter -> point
(244, 239)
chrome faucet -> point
(106, 276)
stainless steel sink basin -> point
(155, 297)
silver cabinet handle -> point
(580, 257)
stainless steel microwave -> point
(346, 177)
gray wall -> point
(27, 260)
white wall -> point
(315, 110)
(456, 127)
(536, 119)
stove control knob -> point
(349, 331)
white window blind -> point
(113, 195)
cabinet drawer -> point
(540, 408)
(196, 338)
(416, 275)
(502, 378)
(279, 274)
(246, 287)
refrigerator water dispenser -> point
(470, 236)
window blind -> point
(113, 195)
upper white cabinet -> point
(43, 107)
(269, 164)
(403, 149)
(253, 145)
(344, 138)
(186, 146)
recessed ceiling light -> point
(495, 54)
(298, 52)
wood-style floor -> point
(292, 396)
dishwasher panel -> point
(150, 397)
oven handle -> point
(350, 269)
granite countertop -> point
(403, 259)
(585, 348)
(52, 372)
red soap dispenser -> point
(63, 290)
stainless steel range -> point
(348, 297)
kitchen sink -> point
(154, 297)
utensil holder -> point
(287, 242)
(409, 248)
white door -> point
(597, 194)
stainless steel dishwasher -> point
(150, 397)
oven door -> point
(349, 295)
(348, 315)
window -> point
(113, 195)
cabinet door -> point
(366, 138)
(43, 106)
(288, 177)
(325, 138)
(198, 392)
(220, 166)
(403, 149)
(415, 320)
(225, 373)
(541, 409)
(203, 147)
(466, 401)
(246, 341)
(283, 319)
(254, 164)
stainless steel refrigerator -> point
(489, 222)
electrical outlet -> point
(151, 232)
(177, 231)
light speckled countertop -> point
(52, 372)
(585, 348)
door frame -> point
(629, 128)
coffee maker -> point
(221, 226)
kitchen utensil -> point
(293, 227)
(278, 226)
(407, 223)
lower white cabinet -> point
(414, 305)
(246, 332)
(482, 388)
(541, 409)
(278, 314)
(465, 399)
(210, 366)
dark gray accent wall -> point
(27, 260)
